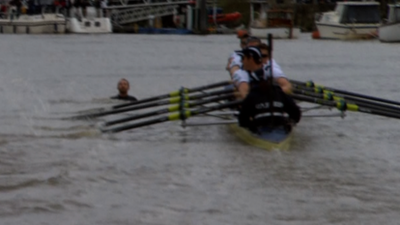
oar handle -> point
(348, 93)
(328, 95)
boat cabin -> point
(394, 14)
(280, 18)
(263, 17)
(358, 12)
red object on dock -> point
(223, 18)
(315, 35)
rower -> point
(266, 104)
(279, 77)
(235, 60)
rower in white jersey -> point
(279, 77)
(235, 59)
(235, 62)
(242, 78)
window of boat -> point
(339, 9)
(361, 14)
(394, 14)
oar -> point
(170, 109)
(311, 84)
(164, 96)
(343, 106)
(175, 116)
(153, 104)
(327, 95)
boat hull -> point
(144, 30)
(277, 33)
(277, 139)
(389, 32)
(46, 24)
(89, 26)
(345, 32)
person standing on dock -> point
(15, 8)
(103, 4)
(123, 88)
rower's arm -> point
(229, 64)
(233, 69)
(234, 64)
(243, 90)
(281, 79)
(284, 84)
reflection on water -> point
(54, 168)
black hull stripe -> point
(347, 26)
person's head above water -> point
(123, 87)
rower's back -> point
(267, 106)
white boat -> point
(390, 30)
(89, 26)
(34, 24)
(279, 23)
(350, 20)
(92, 23)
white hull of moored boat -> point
(91, 22)
(89, 26)
(390, 32)
(346, 32)
(350, 20)
(37, 24)
(277, 33)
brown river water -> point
(59, 171)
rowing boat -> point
(211, 103)
(268, 139)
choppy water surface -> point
(56, 171)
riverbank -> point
(304, 14)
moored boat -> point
(390, 30)
(277, 22)
(33, 24)
(90, 22)
(350, 20)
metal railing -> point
(131, 15)
(141, 3)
